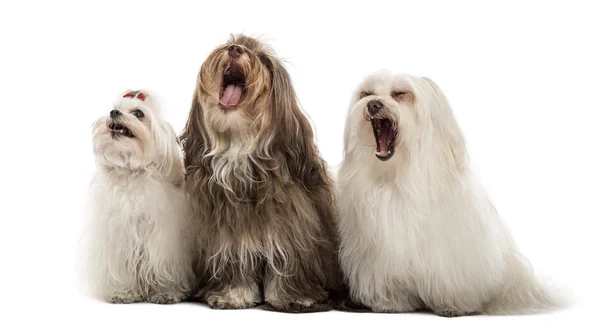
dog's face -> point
(133, 136)
(235, 84)
(125, 137)
(382, 115)
(398, 118)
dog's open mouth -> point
(385, 137)
(232, 86)
(117, 129)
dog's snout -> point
(374, 106)
(114, 113)
(235, 50)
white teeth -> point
(382, 154)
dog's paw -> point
(165, 298)
(450, 313)
(125, 298)
(298, 305)
(228, 301)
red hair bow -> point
(136, 94)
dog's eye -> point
(138, 113)
(365, 94)
(398, 94)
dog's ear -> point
(445, 126)
(292, 131)
(193, 139)
(169, 160)
(349, 130)
(194, 142)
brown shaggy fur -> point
(265, 204)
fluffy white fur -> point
(138, 243)
(418, 231)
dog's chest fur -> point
(250, 205)
(419, 241)
(244, 180)
(134, 199)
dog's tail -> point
(525, 293)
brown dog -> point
(263, 197)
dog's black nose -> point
(114, 113)
(374, 106)
(235, 50)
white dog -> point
(417, 229)
(139, 247)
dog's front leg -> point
(233, 290)
(293, 290)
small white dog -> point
(139, 243)
(417, 229)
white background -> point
(522, 78)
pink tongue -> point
(231, 95)
(383, 139)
